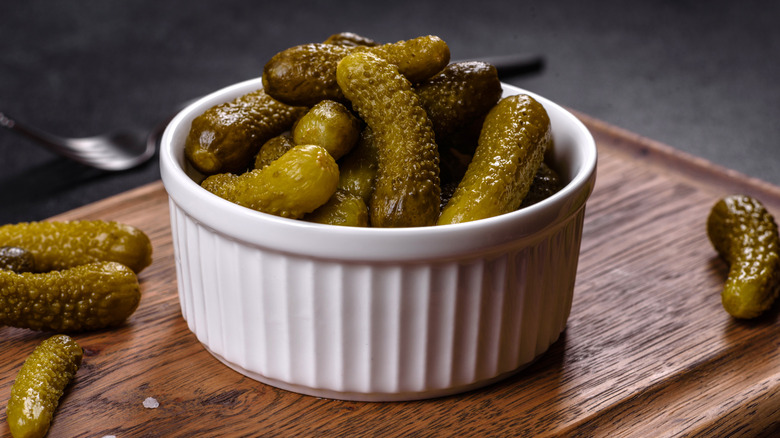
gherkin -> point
(406, 190)
(745, 234)
(328, 124)
(298, 182)
(273, 149)
(511, 148)
(13, 258)
(85, 297)
(226, 137)
(305, 75)
(64, 244)
(40, 384)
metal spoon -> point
(111, 152)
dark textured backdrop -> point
(699, 76)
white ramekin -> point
(376, 314)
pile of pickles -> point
(69, 276)
(352, 132)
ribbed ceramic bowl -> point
(376, 314)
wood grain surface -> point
(648, 350)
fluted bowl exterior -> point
(376, 314)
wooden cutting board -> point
(648, 350)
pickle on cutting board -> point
(745, 234)
(84, 297)
(298, 182)
(40, 384)
(226, 137)
(512, 143)
(13, 258)
(61, 245)
(406, 190)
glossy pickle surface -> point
(745, 234)
(514, 138)
(65, 244)
(40, 384)
(298, 182)
(406, 190)
(85, 297)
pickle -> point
(349, 39)
(305, 75)
(745, 234)
(343, 208)
(60, 245)
(13, 258)
(545, 184)
(273, 149)
(511, 148)
(40, 384)
(406, 189)
(459, 94)
(85, 297)
(328, 124)
(357, 170)
(226, 137)
(296, 183)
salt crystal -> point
(109, 436)
(151, 403)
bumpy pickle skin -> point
(328, 124)
(343, 209)
(305, 75)
(296, 183)
(460, 94)
(357, 170)
(511, 148)
(64, 244)
(85, 297)
(40, 384)
(406, 190)
(226, 137)
(13, 258)
(546, 183)
(745, 234)
(273, 149)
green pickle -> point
(273, 149)
(357, 170)
(226, 137)
(328, 124)
(13, 258)
(343, 208)
(745, 234)
(546, 183)
(296, 183)
(305, 75)
(85, 297)
(61, 245)
(40, 384)
(406, 190)
(514, 138)
(460, 94)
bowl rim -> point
(360, 244)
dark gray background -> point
(699, 76)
